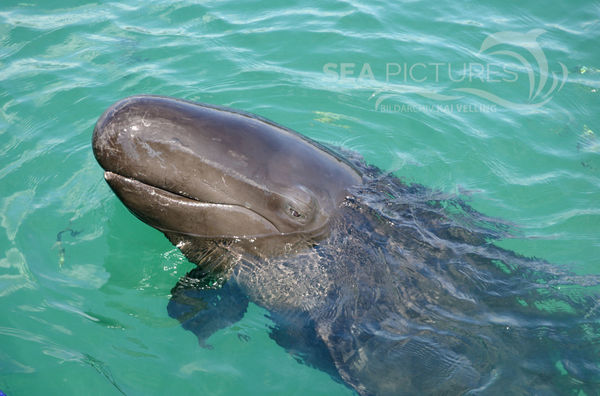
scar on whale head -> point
(365, 277)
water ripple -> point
(14, 273)
(62, 64)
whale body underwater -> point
(390, 288)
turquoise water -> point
(84, 285)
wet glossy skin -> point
(194, 169)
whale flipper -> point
(204, 308)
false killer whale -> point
(391, 288)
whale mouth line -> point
(110, 175)
(152, 189)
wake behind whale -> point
(391, 288)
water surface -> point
(84, 285)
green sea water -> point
(495, 103)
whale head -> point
(211, 172)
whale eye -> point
(300, 206)
(294, 212)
